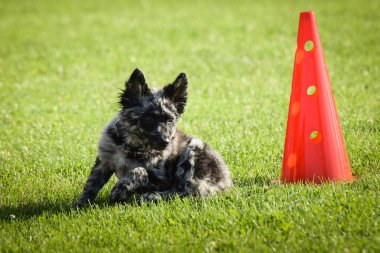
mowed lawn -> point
(62, 65)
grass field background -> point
(62, 65)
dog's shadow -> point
(29, 210)
(257, 180)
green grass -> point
(62, 65)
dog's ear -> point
(135, 88)
(177, 92)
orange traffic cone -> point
(314, 146)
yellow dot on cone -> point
(295, 108)
(299, 56)
(292, 160)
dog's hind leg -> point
(201, 171)
(99, 176)
(156, 196)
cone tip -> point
(307, 13)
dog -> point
(149, 156)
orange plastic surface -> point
(314, 145)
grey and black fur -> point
(149, 156)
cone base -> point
(317, 180)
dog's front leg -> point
(133, 181)
(99, 176)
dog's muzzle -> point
(160, 143)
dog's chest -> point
(123, 164)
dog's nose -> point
(164, 142)
(161, 144)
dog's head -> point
(148, 117)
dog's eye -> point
(170, 119)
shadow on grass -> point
(25, 211)
(29, 210)
(252, 181)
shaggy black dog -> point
(150, 157)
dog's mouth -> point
(160, 145)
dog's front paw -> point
(119, 194)
(150, 197)
(80, 204)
